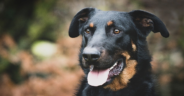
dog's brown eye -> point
(116, 31)
(87, 31)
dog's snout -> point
(91, 54)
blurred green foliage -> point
(28, 21)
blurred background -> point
(37, 57)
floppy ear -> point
(147, 22)
(81, 17)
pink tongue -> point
(97, 77)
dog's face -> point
(105, 38)
(110, 43)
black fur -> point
(101, 37)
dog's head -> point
(110, 43)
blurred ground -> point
(37, 58)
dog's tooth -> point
(91, 67)
(113, 65)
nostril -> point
(95, 56)
(91, 57)
(85, 56)
(91, 54)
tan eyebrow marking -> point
(109, 23)
(91, 25)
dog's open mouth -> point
(97, 77)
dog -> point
(114, 54)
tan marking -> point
(146, 22)
(133, 46)
(109, 23)
(126, 55)
(91, 25)
(122, 80)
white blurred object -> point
(44, 49)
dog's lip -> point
(93, 67)
(96, 67)
(116, 69)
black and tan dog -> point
(114, 53)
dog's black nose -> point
(91, 54)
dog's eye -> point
(116, 31)
(87, 31)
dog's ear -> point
(147, 22)
(81, 17)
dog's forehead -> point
(102, 17)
